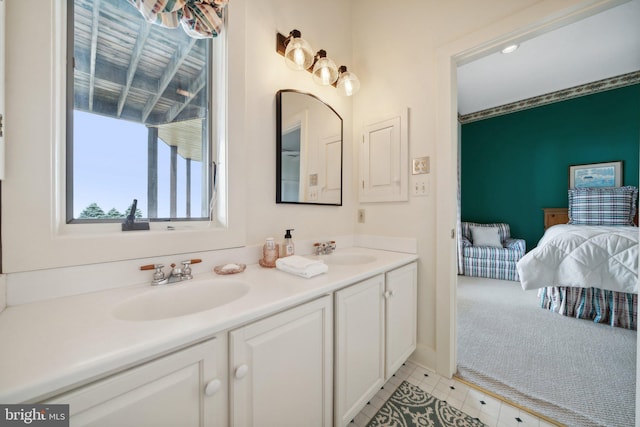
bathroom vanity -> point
(264, 348)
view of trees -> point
(93, 211)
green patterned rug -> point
(411, 406)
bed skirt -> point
(602, 306)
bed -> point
(588, 267)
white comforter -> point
(583, 256)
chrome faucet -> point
(324, 248)
(177, 274)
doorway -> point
(449, 58)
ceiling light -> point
(184, 93)
(510, 48)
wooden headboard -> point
(554, 216)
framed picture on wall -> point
(596, 175)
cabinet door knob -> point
(212, 387)
(388, 294)
(241, 371)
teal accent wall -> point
(514, 165)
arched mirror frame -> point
(282, 124)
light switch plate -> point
(420, 186)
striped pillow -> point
(602, 206)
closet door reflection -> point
(309, 150)
(292, 145)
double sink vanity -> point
(261, 347)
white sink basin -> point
(347, 259)
(180, 299)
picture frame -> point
(596, 175)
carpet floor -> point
(410, 406)
(571, 370)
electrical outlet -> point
(420, 165)
(361, 216)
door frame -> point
(531, 22)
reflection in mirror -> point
(309, 150)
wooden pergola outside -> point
(127, 68)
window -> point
(139, 122)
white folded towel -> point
(301, 266)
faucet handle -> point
(151, 267)
(186, 267)
(158, 274)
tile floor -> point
(489, 410)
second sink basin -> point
(180, 299)
(347, 259)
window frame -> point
(209, 167)
(39, 237)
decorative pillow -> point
(602, 206)
(486, 236)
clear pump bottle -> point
(288, 247)
(269, 253)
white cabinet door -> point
(281, 368)
(384, 161)
(359, 363)
(402, 295)
(175, 390)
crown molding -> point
(558, 96)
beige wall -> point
(403, 53)
(325, 25)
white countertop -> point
(52, 346)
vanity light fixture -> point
(348, 83)
(324, 72)
(511, 48)
(299, 56)
(298, 53)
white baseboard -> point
(424, 357)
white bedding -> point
(585, 256)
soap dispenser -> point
(287, 245)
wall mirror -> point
(308, 150)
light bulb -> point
(348, 83)
(325, 71)
(298, 57)
(298, 54)
(325, 75)
(348, 88)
